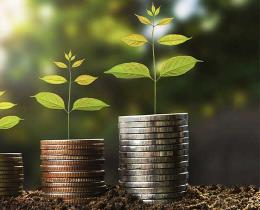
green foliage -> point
(54, 101)
(172, 67)
(8, 121)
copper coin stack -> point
(11, 174)
(73, 169)
(153, 163)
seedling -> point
(54, 101)
(174, 66)
(8, 121)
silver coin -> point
(153, 165)
(153, 154)
(154, 117)
(160, 201)
(154, 178)
(155, 159)
(170, 189)
(153, 130)
(151, 142)
(144, 136)
(154, 184)
(154, 148)
(159, 196)
(148, 124)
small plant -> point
(8, 121)
(172, 67)
(54, 101)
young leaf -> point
(129, 71)
(50, 100)
(85, 79)
(78, 63)
(54, 79)
(6, 105)
(165, 21)
(143, 20)
(89, 104)
(9, 122)
(177, 66)
(173, 39)
(149, 13)
(157, 11)
(153, 8)
(135, 40)
(2, 93)
(67, 57)
(70, 54)
(60, 65)
(73, 57)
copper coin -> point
(71, 195)
(72, 147)
(73, 162)
(73, 142)
(73, 189)
(93, 173)
(73, 152)
(71, 168)
(74, 184)
(72, 180)
(72, 157)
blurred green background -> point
(221, 94)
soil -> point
(197, 197)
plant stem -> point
(69, 95)
(154, 71)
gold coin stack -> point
(11, 174)
(73, 169)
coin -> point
(151, 142)
(10, 189)
(154, 148)
(161, 201)
(73, 162)
(72, 180)
(73, 189)
(11, 168)
(154, 117)
(99, 173)
(154, 178)
(144, 136)
(153, 130)
(71, 157)
(10, 173)
(153, 154)
(148, 124)
(73, 152)
(11, 179)
(10, 160)
(169, 189)
(11, 184)
(155, 159)
(154, 165)
(74, 184)
(10, 176)
(153, 184)
(140, 172)
(159, 196)
(3, 155)
(71, 195)
(72, 147)
(73, 142)
(71, 168)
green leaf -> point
(129, 71)
(78, 63)
(2, 93)
(67, 57)
(89, 104)
(9, 122)
(85, 79)
(50, 100)
(173, 39)
(153, 8)
(135, 40)
(149, 13)
(6, 105)
(177, 66)
(144, 20)
(157, 11)
(165, 21)
(54, 79)
(70, 54)
(60, 65)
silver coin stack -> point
(154, 155)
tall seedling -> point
(8, 121)
(54, 101)
(174, 66)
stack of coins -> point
(73, 169)
(153, 163)
(11, 174)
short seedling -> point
(8, 121)
(54, 101)
(174, 66)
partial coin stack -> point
(73, 169)
(11, 174)
(153, 156)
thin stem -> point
(154, 70)
(69, 96)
